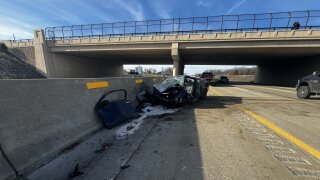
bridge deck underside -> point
(203, 56)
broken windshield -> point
(174, 80)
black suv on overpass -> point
(309, 85)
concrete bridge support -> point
(178, 66)
(59, 65)
(286, 73)
(42, 54)
(68, 66)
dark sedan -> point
(223, 80)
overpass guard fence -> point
(210, 24)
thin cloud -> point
(99, 13)
(135, 8)
(65, 15)
(10, 26)
(161, 8)
(236, 6)
(204, 3)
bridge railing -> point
(210, 24)
(21, 40)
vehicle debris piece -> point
(104, 147)
(124, 131)
(75, 172)
(116, 112)
(124, 167)
(130, 127)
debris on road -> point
(124, 167)
(116, 112)
(130, 128)
(75, 172)
(104, 147)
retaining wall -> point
(39, 118)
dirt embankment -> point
(11, 67)
(241, 78)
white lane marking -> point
(274, 89)
(277, 89)
(241, 89)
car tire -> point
(303, 92)
(179, 101)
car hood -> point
(163, 87)
(306, 78)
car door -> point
(315, 83)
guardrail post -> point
(288, 21)
(222, 19)
(271, 19)
(308, 12)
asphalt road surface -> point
(238, 132)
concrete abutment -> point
(287, 73)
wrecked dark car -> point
(179, 90)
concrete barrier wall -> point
(39, 118)
(5, 170)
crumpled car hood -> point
(163, 87)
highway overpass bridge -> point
(283, 53)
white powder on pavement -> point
(131, 127)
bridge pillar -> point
(178, 66)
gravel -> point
(11, 67)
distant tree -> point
(234, 71)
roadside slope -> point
(11, 67)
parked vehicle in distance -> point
(223, 80)
(209, 77)
(308, 86)
(179, 90)
(134, 74)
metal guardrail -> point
(210, 24)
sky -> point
(21, 17)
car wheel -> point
(303, 92)
(179, 101)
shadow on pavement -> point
(172, 149)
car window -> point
(207, 74)
(174, 80)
